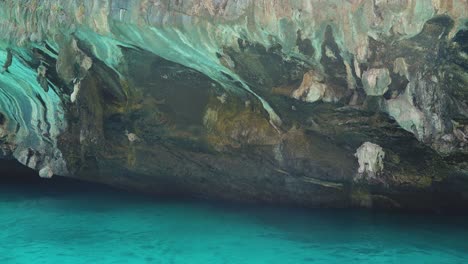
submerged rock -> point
(243, 100)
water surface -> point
(81, 223)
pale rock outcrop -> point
(46, 172)
(313, 89)
(376, 81)
(408, 116)
(401, 68)
(76, 90)
(132, 137)
(371, 160)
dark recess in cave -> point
(14, 172)
(2, 119)
(17, 176)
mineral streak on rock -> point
(242, 99)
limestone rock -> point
(376, 81)
(400, 67)
(313, 89)
(46, 172)
(132, 137)
(371, 159)
(241, 99)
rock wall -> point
(240, 99)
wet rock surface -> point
(315, 103)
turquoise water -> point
(83, 224)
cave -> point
(358, 107)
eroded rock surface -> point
(243, 100)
